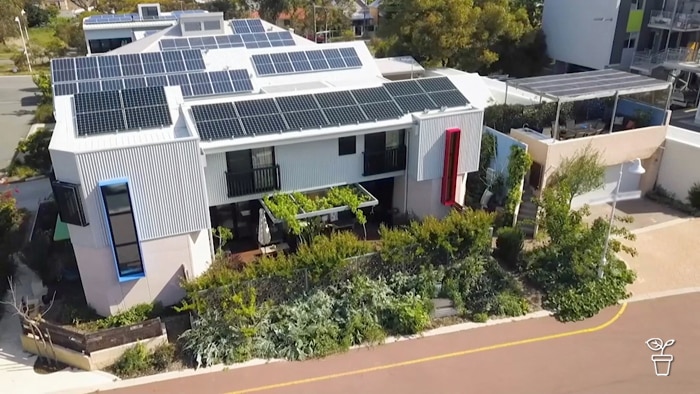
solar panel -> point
(173, 62)
(220, 129)
(282, 63)
(183, 82)
(65, 89)
(240, 26)
(341, 116)
(152, 63)
(217, 111)
(450, 98)
(63, 70)
(257, 107)
(403, 88)
(131, 64)
(144, 97)
(133, 83)
(87, 68)
(112, 84)
(194, 60)
(415, 103)
(201, 84)
(147, 117)
(382, 111)
(109, 66)
(335, 99)
(241, 80)
(263, 64)
(89, 87)
(297, 103)
(221, 82)
(263, 124)
(94, 102)
(439, 84)
(301, 120)
(371, 95)
(100, 122)
(160, 80)
(300, 62)
(350, 57)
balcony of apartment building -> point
(251, 171)
(674, 20)
(671, 58)
(621, 115)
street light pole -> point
(24, 43)
(636, 169)
(26, 32)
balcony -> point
(253, 181)
(678, 22)
(381, 162)
(648, 60)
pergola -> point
(588, 85)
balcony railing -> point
(380, 162)
(679, 21)
(254, 181)
(648, 59)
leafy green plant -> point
(135, 361)
(163, 356)
(480, 317)
(35, 150)
(223, 235)
(519, 163)
(44, 113)
(136, 314)
(511, 305)
(509, 245)
(694, 195)
(408, 315)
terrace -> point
(594, 103)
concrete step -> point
(442, 303)
(444, 312)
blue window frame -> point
(123, 235)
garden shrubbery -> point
(338, 291)
(567, 267)
(139, 361)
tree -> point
(9, 10)
(269, 10)
(432, 31)
(231, 8)
(84, 4)
(522, 58)
(533, 9)
(37, 15)
(454, 33)
(578, 174)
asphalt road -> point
(605, 354)
(17, 104)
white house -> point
(162, 139)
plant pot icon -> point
(662, 364)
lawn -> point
(41, 36)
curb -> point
(118, 383)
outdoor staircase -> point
(443, 307)
(527, 215)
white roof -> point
(398, 65)
(472, 84)
(369, 75)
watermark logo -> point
(662, 362)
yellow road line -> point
(435, 358)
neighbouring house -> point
(621, 129)
(650, 37)
(161, 140)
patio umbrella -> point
(264, 237)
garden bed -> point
(298, 205)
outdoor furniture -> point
(274, 249)
(570, 124)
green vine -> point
(519, 163)
(488, 151)
(286, 207)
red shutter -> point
(450, 167)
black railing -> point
(253, 181)
(389, 160)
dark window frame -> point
(347, 145)
(126, 270)
(70, 203)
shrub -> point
(511, 305)
(408, 315)
(163, 356)
(480, 317)
(136, 314)
(694, 195)
(135, 361)
(19, 170)
(44, 113)
(509, 245)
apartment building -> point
(187, 129)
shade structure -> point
(588, 85)
(264, 237)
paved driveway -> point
(17, 104)
(646, 213)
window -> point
(193, 26)
(123, 235)
(149, 12)
(211, 25)
(636, 5)
(450, 168)
(70, 204)
(346, 146)
(106, 45)
(631, 40)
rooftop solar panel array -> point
(305, 61)
(124, 18)
(251, 40)
(114, 111)
(115, 72)
(315, 111)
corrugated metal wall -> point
(166, 185)
(431, 143)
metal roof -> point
(588, 85)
